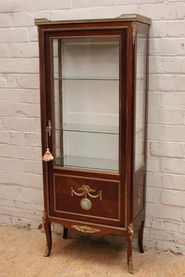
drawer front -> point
(138, 199)
(88, 199)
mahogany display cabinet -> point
(93, 92)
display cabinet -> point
(93, 88)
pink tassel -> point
(47, 156)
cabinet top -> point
(123, 17)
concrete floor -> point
(21, 255)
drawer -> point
(77, 197)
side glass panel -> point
(140, 100)
(86, 102)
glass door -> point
(86, 102)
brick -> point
(152, 163)
(154, 179)
(5, 220)
(17, 138)
(19, 65)
(153, 195)
(21, 124)
(168, 29)
(155, 131)
(2, 191)
(16, 178)
(176, 28)
(165, 82)
(27, 166)
(174, 182)
(182, 228)
(27, 81)
(37, 155)
(13, 138)
(34, 34)
(22, 19)
(164, 235)
(167, 149)
(18, 213)
(8, 202)
(3, 81)
(20, 95)
(17, 152)
(19, 204)
(24, 50)
(167, 46)
(7, 110)
(154, 99)
(179, 83)
(165, 212)
(37, 215)
(4, 137)
(171, 226)
(33, 139)
(174, 133)
(174, 166)
(27, 110)
(162, 225)
(156, 65)
(14, 35)
(158, 30)
(11, 81)
(4, 50)
(5, 164)
(167, 65)
(5, 21)
(172, 100)
(31, 195)
(33, 206)
(34, 180)
(12, 192)
(173, 198)
(167, 116)
(155, 224)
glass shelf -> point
(114, 130)
(87, 78)
(88, 163)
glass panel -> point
(86, 101)
(140, 100)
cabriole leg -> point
(130, 237)
(140, 237)
(65, 233)
(47, 228)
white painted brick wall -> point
(21, 199)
